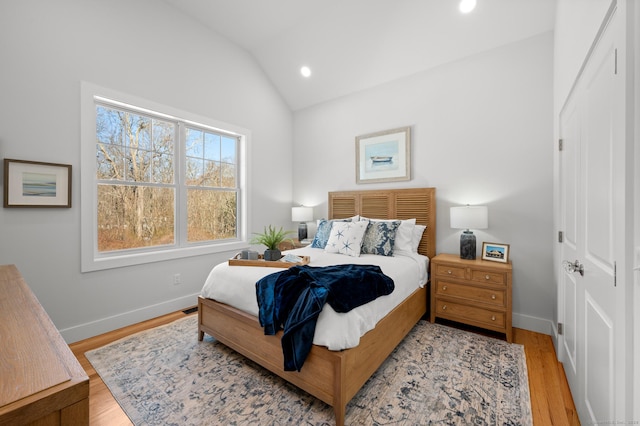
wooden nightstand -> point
(293, 244)
(474, 292)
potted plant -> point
(271, 237)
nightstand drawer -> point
(450, 271)
(481, 276)
(484, 295)
(451, 310)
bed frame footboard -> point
(334, 377)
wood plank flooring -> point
(551, 400)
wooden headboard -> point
(391, 204)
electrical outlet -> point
(176, 279)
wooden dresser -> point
(41, 382)
(474, 292)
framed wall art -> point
(384, 156)
(36, 184)
(495, 252)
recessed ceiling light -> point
(467, 6)
(305, 71)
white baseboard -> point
(538, 325)
(94, 328)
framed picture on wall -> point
(384, 156)
(36, 184)
(495, 252)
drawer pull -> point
(493, 296)
(486, 277)
(444, 307)
(444, 288)
(493, 318)
(449, 271)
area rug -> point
(437, 376)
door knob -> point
(573, 267)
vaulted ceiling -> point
(353, 45)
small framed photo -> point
(36, 184)
(495, 252)
(384, 156)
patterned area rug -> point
(437, 376)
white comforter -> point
(235, 286)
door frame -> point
(634, 9)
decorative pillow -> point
(404, 233)
(379, 238)
(346, 219)
(418, 230)
(346, 238)
(323, 232)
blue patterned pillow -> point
(323, 232)
(380, 238)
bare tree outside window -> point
(210, 174)
(138, 190)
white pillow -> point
(346, 219)
(418, 230)
(346, 238)
(404, 234)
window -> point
(211, 167)
(135, 179)
(157, 183)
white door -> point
(592, 201)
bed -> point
(335, 376)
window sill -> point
(97, 263)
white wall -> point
(482, 134)
(147, 49)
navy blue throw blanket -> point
(292, 300)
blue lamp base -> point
(467, 245)
(302, 231)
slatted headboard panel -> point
(391, 204)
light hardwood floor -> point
(551, 400)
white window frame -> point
(91, 258)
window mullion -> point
(181, 187)
(239, 206)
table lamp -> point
(303, 215)
(469, 217)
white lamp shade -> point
(470, 217)
(301, 214)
